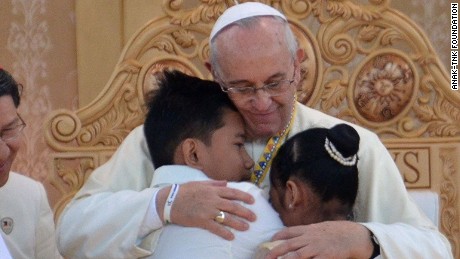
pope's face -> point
(256, 57)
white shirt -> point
(177, 242)
(24, 208)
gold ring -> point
(220, 217)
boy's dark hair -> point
(305, 156)
(182, 107)
(9, 86)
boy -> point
(195, 133)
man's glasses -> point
(10, 134)
(273, 89)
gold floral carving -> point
(449, 197)
(345, 35)
(364, 63)
(384, 88)
(417, 102)
(71, 171)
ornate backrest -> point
(367, 64)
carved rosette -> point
(383, 89)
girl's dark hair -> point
(9, 86)
(305, 156)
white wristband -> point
(169, 202)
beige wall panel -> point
(137, 13)
(99, 42)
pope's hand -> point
(330, 239)
(198, 203)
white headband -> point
(241, 11)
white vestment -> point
(26, 219)
(106, 217)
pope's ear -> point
(189, 149)
(300, 53)
(208, 66)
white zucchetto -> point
(241, 11)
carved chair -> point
(368, 64)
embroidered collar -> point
(262, 166)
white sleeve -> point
(384, 203)
(151, 219)
(394, 237)
(105, 217)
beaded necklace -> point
(263, 165)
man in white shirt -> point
(26, 219)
